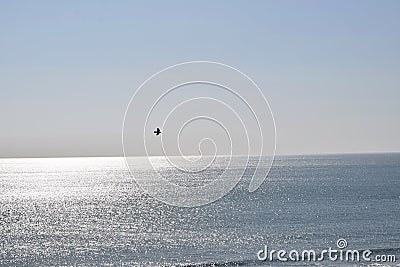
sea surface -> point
(90, 212)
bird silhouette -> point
(157, 132)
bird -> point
(157, 132)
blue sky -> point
(330, 70)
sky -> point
(329, 69)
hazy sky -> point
(330, 70)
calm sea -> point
(89, 212)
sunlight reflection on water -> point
(89, 211)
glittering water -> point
(88, 211)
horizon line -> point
(276, 155)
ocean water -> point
(90, 212)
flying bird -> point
(157, 132)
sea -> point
(91, 212)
